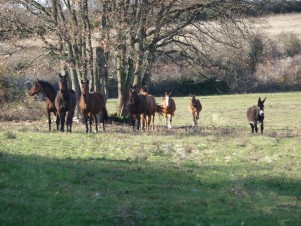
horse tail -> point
(160, 109)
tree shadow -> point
(39, 190)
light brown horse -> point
(65, 101)
(151, 108)
(91, 104)
(169, 107)
(255, 115)
(195, 108)
(41, 86)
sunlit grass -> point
(220, 175)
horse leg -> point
(49, 121)
(62, 118)
(153, 122)
(256, 128)
(261, 127)
(57, 121)
(252, 127)
(170, 120)
(96, 127)
(90, 122)
(86, 122)
(70, 120)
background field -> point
(220, 175)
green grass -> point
(220, 175)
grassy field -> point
(220, 175)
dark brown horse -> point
(65, 101)
(136, 107)
(255, 115)
(195, 108)
(151, 108)
(41, 86)
(169, 106)
(91, 104)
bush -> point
(12, 86)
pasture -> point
(220, 175)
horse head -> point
(63, 85)
(133, 95)
(167, 98)
(36, 88)
(260, 105)
(193, 101)
(85, 87)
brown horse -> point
(136, 107)
(255, 115)
(151, 108)
(91, 104)
(41, 86)
(195, 108)
(169, 106)
(65, 101)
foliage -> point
(12, 86)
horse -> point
(151, 107)
(91, 104)
(169, 107)
(41, 86)
(65, 101)
(255, 115)
(136, 107)
(195, 108)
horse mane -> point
(45, 83)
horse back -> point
(252, 114)
(97, 102)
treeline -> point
(282, 6)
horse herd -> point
(141, 106)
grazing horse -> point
(255, 115)
(151, 108)
(91, 104)
(136, 107)
(169, 107)
(65, 101)
(195, 107)
(41, 86)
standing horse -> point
(46, 88)
(65, 101)
(195, 108)
(91, 104)
(169, 107)
(255, 115)
(136, 107)
(151, 108)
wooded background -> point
(182, 46)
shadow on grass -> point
(37, 190)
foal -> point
(255, 115)
(91, 104)
(195, 108)
(169, 107)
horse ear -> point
(264, 100)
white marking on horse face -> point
(261, 113)
(167, 100)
